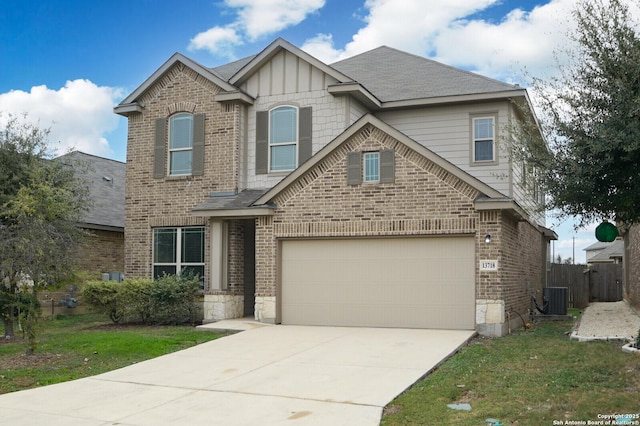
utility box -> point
(558, 299)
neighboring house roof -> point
(392, 75)
(105, 179)
(614, 250)
(597, 246)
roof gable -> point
(270, 51)
(392, 132)
(129, 104)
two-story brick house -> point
(375, 191)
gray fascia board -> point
(97, 227)
(126, 109)
(178, 57)
(442, 100)
(235, 213)
(234, 96)
(507, 204)
(394, 133)
(275, 47)
(358, 92)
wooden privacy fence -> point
(596, 283)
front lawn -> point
(75, 346)
(532, 377)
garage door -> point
(381, 282)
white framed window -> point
(283, 138)
(178, 251)
(483, 139)
(371, 167)
(180, 144)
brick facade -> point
(632, 265)
(424, 200)
(168, 201)
(101, 252)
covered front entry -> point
(412, 282)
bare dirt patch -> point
(35, 360)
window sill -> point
(484, 163)
(279, 173)
(178, 177)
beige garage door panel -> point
(383, 282)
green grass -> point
(76, 346)
(531, 377)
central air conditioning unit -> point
(558, 300)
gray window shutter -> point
(304, 135)
(387, 166)
(262, 142)
(197, 161)
(354, 168)
(160, 149)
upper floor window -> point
(371, 167)
(283, 138)
(180, 144)
(483, 139)
(184, 133)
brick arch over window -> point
(304, 143)
(185, 106)
(161, 147)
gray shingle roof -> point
(392, 75)
(228, 70)
(612, 251)
(105, 180)
(230, 201)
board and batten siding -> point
(447, 132)
(289, 80)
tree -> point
(41, 202)
(591, 112)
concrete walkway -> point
(266, 375)
(607, 321)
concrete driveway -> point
(267, 375)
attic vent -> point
(227, 107)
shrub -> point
(102, 297)
(168, 300)
(173, 297)
(134, 297)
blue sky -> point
(67, 63)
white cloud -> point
(262, 17)
(255, 18)
(410, 25)
(78, 114)
(444, 31)
(522, 39)
(217, 40)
